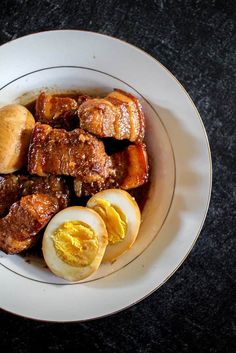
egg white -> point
(53, 261)
(129, 207)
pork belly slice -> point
(130, 170)
(75, 153)
(118, 115)
(58, 111)
(131, 166)
(13, 187)
(52, 185)
(26, 217)
(49, 107)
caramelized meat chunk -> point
(130, 170)
(25, 219)
(59, 112)
(49, 107)
(51, 185)
(75, 153)
(13, 187)
(131, 166)
(118, 115)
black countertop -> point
(195, 310)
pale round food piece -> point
(129, 207)
(59, 267)
(16, 125)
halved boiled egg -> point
(122, 217)
(74, 243)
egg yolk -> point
(114, 218)
(76, 243)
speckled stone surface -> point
(195, 310)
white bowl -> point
(180, 171)
(162, 171)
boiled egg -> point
(122, 217)
(74, 243)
